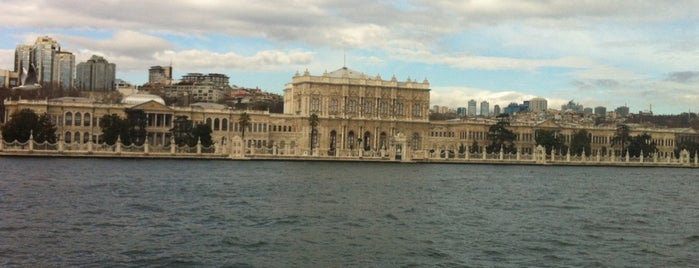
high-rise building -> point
(52, 65)
(472, 107)
(23, 55)
(496, 110)
(601, 111)
(538, 104)
(485, 108)
(461, 111)
(44, 58)
(65, 72)
(160, 74)
(96, 74)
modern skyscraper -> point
(22, 57)
(65, 72)
(485, 108)
(472, 107)
(96, 74)
(44, 58)
(496, 110)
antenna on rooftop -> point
(344, 58)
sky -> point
(643, 54)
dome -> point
(139, 98)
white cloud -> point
(459, 97)
(265, 60)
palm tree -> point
(244, 122)
(313, 121)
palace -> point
(358, 115)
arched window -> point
(416, 141)
(314, 137)
(350, 139)
(333, 140)
(224, 124)
(68, 137)
(216, 124)
(367, 141)
(77, 137)
(86, 137)
(208, 122)
(69, 119)
(78, 120)
(87, 119)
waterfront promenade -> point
(234, 151)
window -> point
(315, 105)
(224, 124)
(78, 121)
(368, 107)
(69, 119)
(333, 106)
(87, 119)
(352, 106)
(383, 107)
(399, 108)
(417, 111)
(416, 141)
(216, 124)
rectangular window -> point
(333, 106)
(315, 105)
(417, 111)
(352, 106)
(399, 108)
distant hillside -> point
(684, 120)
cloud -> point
(683, 77)
(459, 96)
(265, 60)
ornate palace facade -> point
(358, 115)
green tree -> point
(202, 133)
(691, 146)
(113, 127)
(313, 121)
(549, 139)
(244, 122)
(137, 122)
(501, 138)
(642, 144)
(622, 137)
(26, 122)
(181, 131)
(580, 142)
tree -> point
(622, 137)
(137, 122)
(202, 133)
(642, 144)
(580, 142)
(244, 122)
(181, 130)
(549, 139)
(313, 122)
(691, 146)
(26, 122)
(131, 130)
(113, 127)
(186, 133)
(501, 138)
(474, 147)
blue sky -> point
(599, 53)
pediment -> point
(548, 124)
(152, 106)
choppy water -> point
(170, 213)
